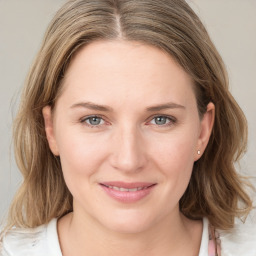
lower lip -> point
(126, 196)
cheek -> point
(80, 155)
(175, 150)
(174, 157)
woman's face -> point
(127, 130)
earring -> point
(198, 152)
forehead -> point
(120, 68)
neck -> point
(174, 235)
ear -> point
(205, 130)
(48, 124)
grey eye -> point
(94, 120)
(161, 120)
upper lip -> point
(128, 185)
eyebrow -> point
(169, 105)
(93, 106)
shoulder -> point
(39, 241)
(239, 241)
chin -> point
(129, 222)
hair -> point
(215, 191)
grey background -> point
(231, 24)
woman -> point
(126, 137)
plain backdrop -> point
(231, 24)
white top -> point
(43, 240)
(40, 241)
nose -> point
(128, 150)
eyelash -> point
(171, 119)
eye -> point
(163, 120)
(93, 121)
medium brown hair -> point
(215, 189)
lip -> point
(127, 185)
(127, 196)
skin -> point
(128, 144)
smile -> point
(126, 189)
(127, 192)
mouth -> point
(127, 192)
(125, 189)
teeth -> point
(126, 189)
(133, 189)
